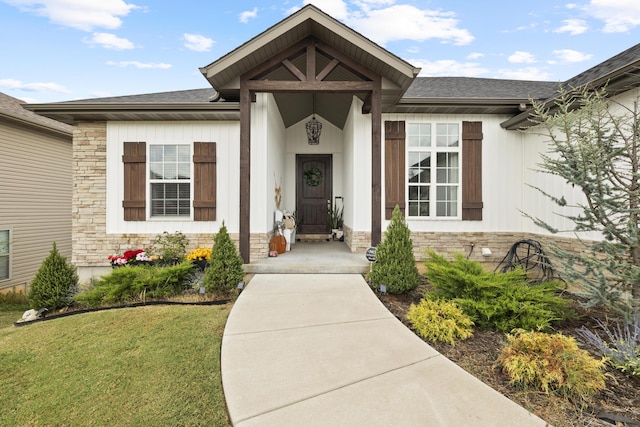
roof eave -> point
(71, 112)
(40, 127)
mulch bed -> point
(617, 405)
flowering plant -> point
(131, 257)
(200, 254)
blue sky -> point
(58, 50)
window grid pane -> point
(170, 172)
(447, 135)
(419, 135)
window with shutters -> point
(170, 180)
(433, 170)
(4, 254)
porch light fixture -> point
(314, 127)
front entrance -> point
(313, 192)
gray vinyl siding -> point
(35, 198)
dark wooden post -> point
(245, 171)
(376, 162)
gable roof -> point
(11, 110)
(224, 73)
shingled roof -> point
(479, 88)
(11, 109)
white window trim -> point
(434, 149)
(149, 181)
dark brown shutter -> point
(204, 181)
(135, 162)
(394, 173)
(472, 171)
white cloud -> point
(520, 57)
(83, 15)
(618, 15)
(448, 67)
(383, 21)
(248, 14)
(109, 41)
(33, 87)
(475, 55)
(569, 55)
(406, 22)
(527, 73)
(138, 64)
(573, 27)
(197, 42)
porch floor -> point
(312, 257)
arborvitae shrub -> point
(551, 363)
(502, 301)
(225, 266)
(439, 320)
(395, 264)
(54, 284)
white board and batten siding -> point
(226, 135)
(35, 198)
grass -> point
(156, 366)
(12, 307)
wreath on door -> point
(313, 177)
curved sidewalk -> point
(322, 350)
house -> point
(35, 192)
(446, 150)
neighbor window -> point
(170, 178)
(4, 254)
(433, 169)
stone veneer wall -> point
(357, 241)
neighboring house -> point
(35, 192)
(446, 150)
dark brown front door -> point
(313, 192)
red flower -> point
(131, 254)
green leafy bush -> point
(54, 284)
(551, 363)
(502, 301)
(395, 264)
(225, 266)
(439, 320)
(172, 248)
(623, 349)
(136, 283)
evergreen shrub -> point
(440, 320)
(395, 264)
(502, 301)
(135, 283)
(225, 265)
(54, 284)
(551, 363)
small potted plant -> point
(336, 220)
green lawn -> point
(147, 366)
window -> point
(170, 178)
(433, 168)
(4, 254)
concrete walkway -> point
(322, 350)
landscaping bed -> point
(617, 405)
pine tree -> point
(54, 284)
(225, 266)
(395, 264)
(596, 148)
